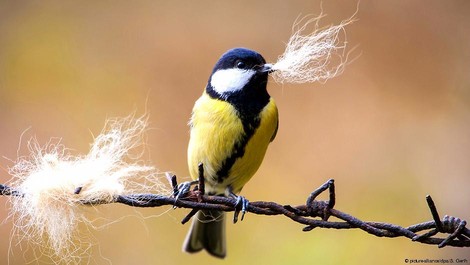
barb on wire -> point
(314, 214)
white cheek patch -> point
(230, 80)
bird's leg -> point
(240, 205)
(183, 188)
(244, 205)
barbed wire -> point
(314, 214)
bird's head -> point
(237, 71)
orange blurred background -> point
(392, 128)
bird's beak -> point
(266, 68)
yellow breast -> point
(215, 131)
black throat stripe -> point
(249, 102)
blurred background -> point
(394, 127)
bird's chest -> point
(219, 139)
(215, 130)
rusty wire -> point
(314, 214)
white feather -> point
(316, 56)
(49, 211)
(227, 81)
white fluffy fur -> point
(230, 80)
(49, 211)
(315, 56)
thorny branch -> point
(313, 214)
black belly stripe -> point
(249, 103)
(249, 127)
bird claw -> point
(183, 189)
(241, 205)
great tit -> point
(231, 126)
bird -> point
(231, 126)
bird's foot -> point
(183, 189)
(241, 205)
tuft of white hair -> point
(313, 56)
(55, 184)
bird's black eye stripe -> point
(240, 65)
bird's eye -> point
(241, 65)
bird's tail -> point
(207, 232)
